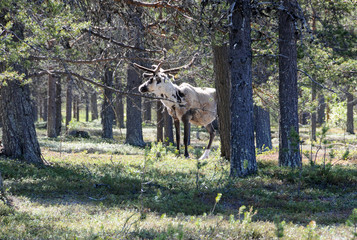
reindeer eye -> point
(151, 80)
(158, 81)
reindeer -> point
(184, 103)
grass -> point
(98, 189)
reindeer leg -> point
(186, 123)
(212, 134)
(177, 127)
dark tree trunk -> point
(147, 110)
(107, 107)
(321, 110)
(262, 129)
(243, 161)
(45, 108)
(19, 137)
(94, 105)
(168, 126)
(75, 107)
(289, 154)
(350, 127)
(51, 107)
(313, 112)
(87, 106)
(134, 131)
(69, 98)
(119, 106)
(222, 82)
(159, 122)
(58, 105)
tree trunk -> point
(69, 97)
(18, 132)
(313, 111)
(119, 106)
(222, 82)
(289, 154)
(321, 110)
(94, 105)
(350, 127)
(75, 107)
(147, 110)
(51, 107)
(168, 126)
(107, 107)
(87, 106)
(159, 122)
(134, 131)
(243, 161)
(262, 129)
(45, 107)
(58, 101)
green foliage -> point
(352, 222)
(279, 225)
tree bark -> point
(321, 110)
(18, 132)
(94, 105)
(350, 126)
(58, 102)
(159, 122)
(168, 127)
(243, 161)
(147, 110)
(51, 107)
(313, 112)
(134, 131)
(289, 154)
(69, 98)
(262, 129)
(75, 107)
(119, 106)
(107, 107)
(87, 105)
(222, 82)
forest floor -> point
(96, 189)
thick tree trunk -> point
(350, 127)
(94, 105)
(159, 122)
(168, 126)
(243, 161)
(107, 107)
(51, 107)
(45, 107)
(19, 137)
(262, 129)
(77, 107)
(69, 98)
(134, 131)
(222, 82)
(58, 102)
(289, 154)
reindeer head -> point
(159, 79)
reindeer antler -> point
(177, 69)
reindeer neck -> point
(169, 92)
